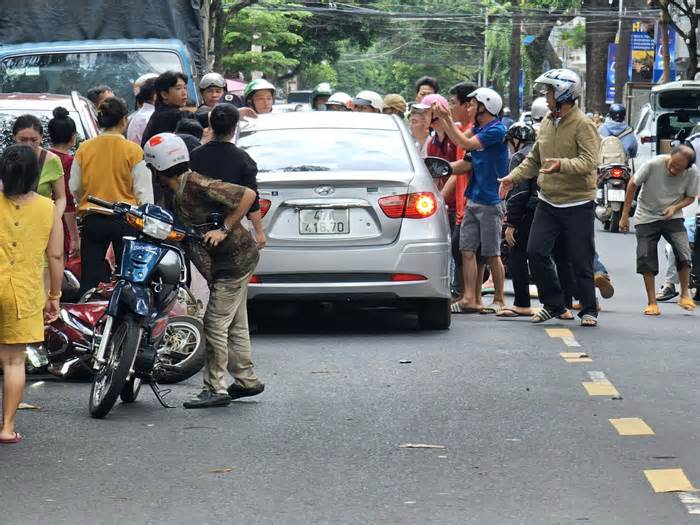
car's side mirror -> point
(438, 167)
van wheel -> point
(434, 314)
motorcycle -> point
(149, 278)
(613, 180)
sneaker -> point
(667, 292)
(236, 391)
(207, 399)
(602, 282)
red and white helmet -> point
(165, 150)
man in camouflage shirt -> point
(226, 259)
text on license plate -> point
(324, 222)
(616, 195)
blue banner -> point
(659, 59)
(610, 86)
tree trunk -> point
(515, 38)
(692, 68)
(217, 23)
(599, 33)
(622, 60)
(663, 27)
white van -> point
(672, 113)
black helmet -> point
(617, 113)
(522, 131)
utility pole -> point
(483, 77)
(515, 38)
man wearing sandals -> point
(669, 183)
(564, 160)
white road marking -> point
(597, 376)
(571, 341)
(691, 501)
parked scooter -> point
(613, 178)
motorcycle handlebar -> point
(100, 202)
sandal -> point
(493, 308)
(567, 316)
(652, 309)
(458, 308)
(667, 293)
(687, 304)
(589, 321)
(544, 315)
(16, 439)
(510, 312)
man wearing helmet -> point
(481, 226)
(320, 96)
(260, 96)
(212, 87)
(339, 101)
(615, 126)
(564, 159)
(368, 102)
(226, 261)
(538, 111)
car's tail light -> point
(255, 279)
(265, 206)
(617, 172)
(647, 139)
(405, 277)
(409, 206)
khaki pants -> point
(227, 335)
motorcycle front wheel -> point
(110, 379)
(131, 390)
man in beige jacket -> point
(564, 160)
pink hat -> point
(429, 100)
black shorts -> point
(648, 236)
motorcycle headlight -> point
(156, 228)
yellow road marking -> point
(559, 332)
(575, 357)
(631, 426)
(668, 480)
(600, 388)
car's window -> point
(8, 117)
(678, 126)
(299, 97)
(327, 150)
(62, 73)
(680, 99)
(643, 122)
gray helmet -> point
(212, 80)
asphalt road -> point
(524, 441)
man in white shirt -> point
(139, 120)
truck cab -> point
(63, 67)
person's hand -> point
(440, 111)
(505, 187)
(247, 113)
(260, 239)
(74, 249)
(214, 237)
(551, 166)
(668, 213)
(510, 236)
(624, 223)
(51, 310)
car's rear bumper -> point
(353, 274)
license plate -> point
(324, 222)
(616, 195)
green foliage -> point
(575, 37)
(314, 74)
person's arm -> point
(249, 173)
(461, 167)
(448, 190)
(58, 189)
(634, 145)
(54, 257)
(629, 197)
(142, 183)
(588, 142)
(75, 183)
(242, 201)
(466, 140)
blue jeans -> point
(598, 266)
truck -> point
(77, 45)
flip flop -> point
(488, 291)
(653, 310)
(544, 315)
(457, 308)
(566, 316)
(687, 304)
(493, 308)
(17, 439)
(509, 313)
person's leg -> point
(676, 235)
(468, 245)
(457, 258)
(240, 364)
(601, 278)
(490, 234)
(565, 272)
(93, 247)
(648, 236)
(12, 360)
(578, 226)
(217, 321)
(498, 274)
(543, 235)
(519, 272)
(650, 287)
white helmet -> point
(165, 150)
(491, 100)
(212, 79)
(566, 84)
(375, 99)
(339, 99)
(141, 80)
(539, 109)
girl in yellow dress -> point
(31, 233)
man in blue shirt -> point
(481, 226)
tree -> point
(681, 15)
(600, 31)
(515, 45)
(220, 12)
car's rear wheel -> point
(434, 314)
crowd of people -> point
(528, 187)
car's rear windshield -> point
(61, 73)
(680, 99)
(318, 149)
(8, 117)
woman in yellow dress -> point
(31, 233)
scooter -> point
(613, 180)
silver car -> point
(351, 214)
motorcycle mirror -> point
(438, 167)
